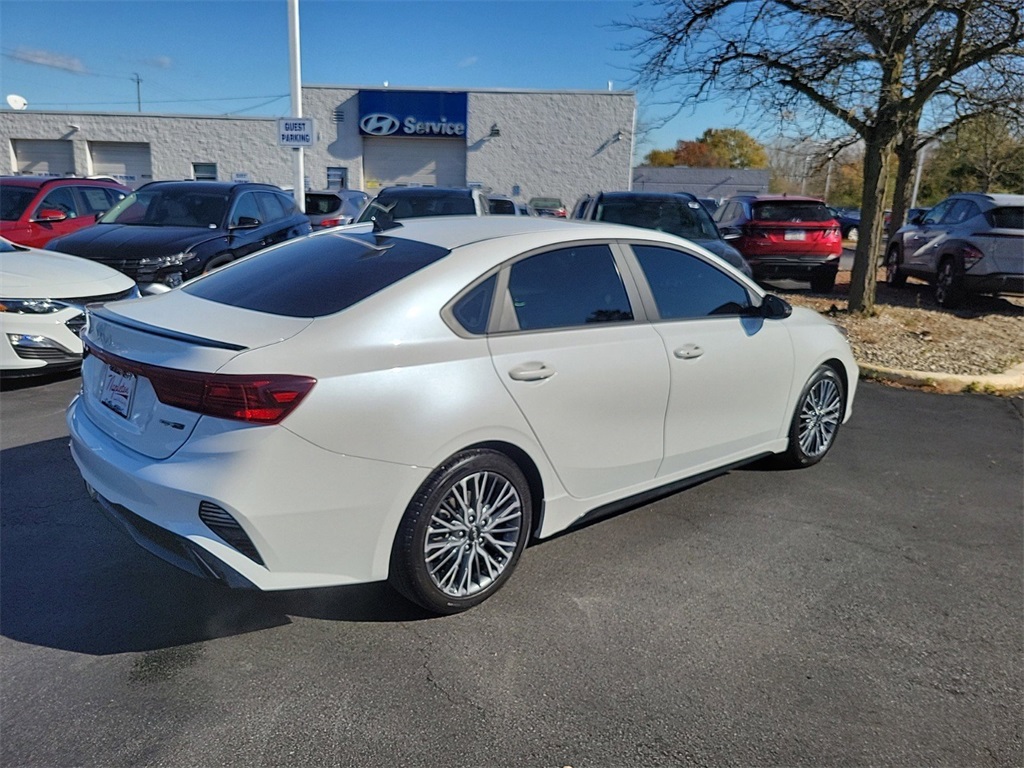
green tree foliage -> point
(982, 155)
(660, 158)
(733, 148)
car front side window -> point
(246, 208)
(61, 199)
(686, 287)
(568, 287)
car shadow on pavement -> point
(69, 579)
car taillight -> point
(971, 255)
(256, 399)
(329, 223)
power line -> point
(158, 101)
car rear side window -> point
(568, 287)
(687, 287)
(14, 200)
(1009, 217)
(316, 276)
(473, 309)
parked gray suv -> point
(968, 243)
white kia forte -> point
(417, 403)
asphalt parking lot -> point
(867, 611)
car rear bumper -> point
(310, 517)
(997, 283)
(795, 268)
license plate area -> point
(118, 391)
(795, 234)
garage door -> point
(44, 158)
(128, 163)
(413, 162)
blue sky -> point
(231, 56)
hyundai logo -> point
(379, 124)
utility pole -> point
(299, 178)
(138, 89)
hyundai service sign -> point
(412, 114)
(296, 132)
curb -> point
(1009, 381)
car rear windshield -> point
(319, 204)
(1009, 217)
(790, 210)
(678, 217)
(170, 207)
(14, 201)
(417, 204)
(316, 276)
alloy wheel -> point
(820, 413)
(473, 534)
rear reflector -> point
(257, 399)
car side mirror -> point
(246, 222)
(916, 218)
(774, 308)
(47, 215)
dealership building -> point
(511, 142)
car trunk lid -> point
(131, 345)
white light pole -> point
(299, 176)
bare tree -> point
(873, 65)
(993, 89)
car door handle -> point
(531, 372)
(689, 352)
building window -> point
(204, 171)
(337, 178)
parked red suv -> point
(784, 237)
(36, 209)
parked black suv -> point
(678, 213)
(167, 232)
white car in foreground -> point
(42, 306)
(416, 404)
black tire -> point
(217, 261)
(949, 284)
(823, 282)
(894, 276)
(475, 549)
(816, 421)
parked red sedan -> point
(36, 209)
(784, 237)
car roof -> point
(427, 191)
(993, 198)
(217, 186)
(452, 232)
(40, 181)
(778, 198)
(338, 192)
(647, 195)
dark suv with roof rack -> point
(167, 232)
(36, 209)
(678, 213)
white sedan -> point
(417, 403)
(42, 306)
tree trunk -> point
(872, 219)
(906, 154)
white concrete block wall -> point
(236, 145)
(558, 144)
(552, 143)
